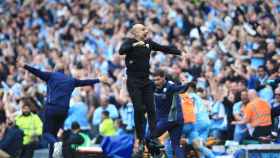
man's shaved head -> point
(59, 67)
(139, 31)
(137, 27)
(252, 94)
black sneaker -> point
(158, 155)
(154, 148)
(154, 143)
(140, 151)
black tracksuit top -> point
(137, 58)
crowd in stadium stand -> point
(230, 49)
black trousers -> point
(141, 92)
(53, 121)
(28, 150)
(261, 131)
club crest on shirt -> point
(162, 95)
(147, 45)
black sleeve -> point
(178, 88)
(6, 141)
(80, 83)
(75, 139)
(41, 74)
(165, 49)
(126, 47)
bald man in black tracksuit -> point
(137, 51)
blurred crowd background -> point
(228, 46)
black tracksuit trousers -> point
(141, 92)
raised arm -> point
(239, 72)
(178, 88)
(80, 83)
(165, 49)
(41, 74)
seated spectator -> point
(11, 138)
(32, 127)
(258, 115)
(74, 139)
(107, 127)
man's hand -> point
(183, 79)
(104, 79)
(139, 43)
(60, 133)
(20, 63)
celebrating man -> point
(137, 51)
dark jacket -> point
(12, 141)
(137, 58)
(59, 87)
(168, 103)
(71, 139)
